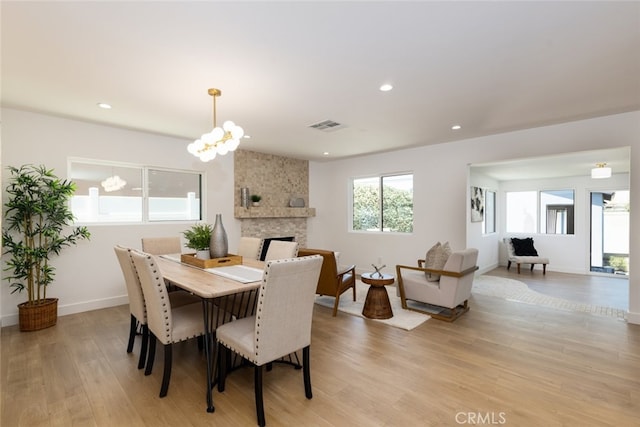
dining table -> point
(223, 300)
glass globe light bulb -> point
(217, 134)
(237, 132)
(223, 149)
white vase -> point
(219, 246)
(203, 254)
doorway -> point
(610, 232)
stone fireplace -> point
(278, 180)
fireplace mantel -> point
(274, 212)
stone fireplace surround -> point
(277, 179)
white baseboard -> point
(633, 318)
(63, 310)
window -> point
(521, 211)
(489, 221)
(383, 204)
(117, 193)
(556, 212)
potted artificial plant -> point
(37, 212)
(255, 199)
(198, 238)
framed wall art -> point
(477, 204)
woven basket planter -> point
(40, 316)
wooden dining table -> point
(223, 299)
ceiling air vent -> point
(327, 126)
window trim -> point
(495, 212)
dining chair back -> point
(281, 326)
(161, 245)
(137, 308)
(249, 247)
(279, 249)
(166, 324)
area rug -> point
(403, 319)
(514, 290)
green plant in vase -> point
(198, 238)
(255, 199)
(36, 215)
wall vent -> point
(327, 126)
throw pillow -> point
(524, 247)
(436, 258)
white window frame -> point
(380, 179)
(144, 170)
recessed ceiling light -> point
(386, 87)
(456, 127)
(104, 105)
(326, 153)
(247, 136)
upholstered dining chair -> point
(161, 245)
(451, 292)
(333, 281)
(281, 326)
(166, 323)
(249, 247)
(137, 308)
(281, 250)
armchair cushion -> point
(435, 259)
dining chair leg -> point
(152, 353)
(223, 360)
(143, 346)
(200, 342)
(132, 333)
(166, 377)
(258, 392)
(306, 372)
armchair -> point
(332, 281)
(526, 253)
(451, 292)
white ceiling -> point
(490, 66)
(561, 165)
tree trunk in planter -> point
(38, 316)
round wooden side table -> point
(377, 304)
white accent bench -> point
(533, 260)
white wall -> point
(88, 275)
(441, 185)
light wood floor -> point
(603, 290)
(502, 361)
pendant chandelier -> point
(113, 183)
(219, 140)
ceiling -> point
(562, 165)
(490, 67)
